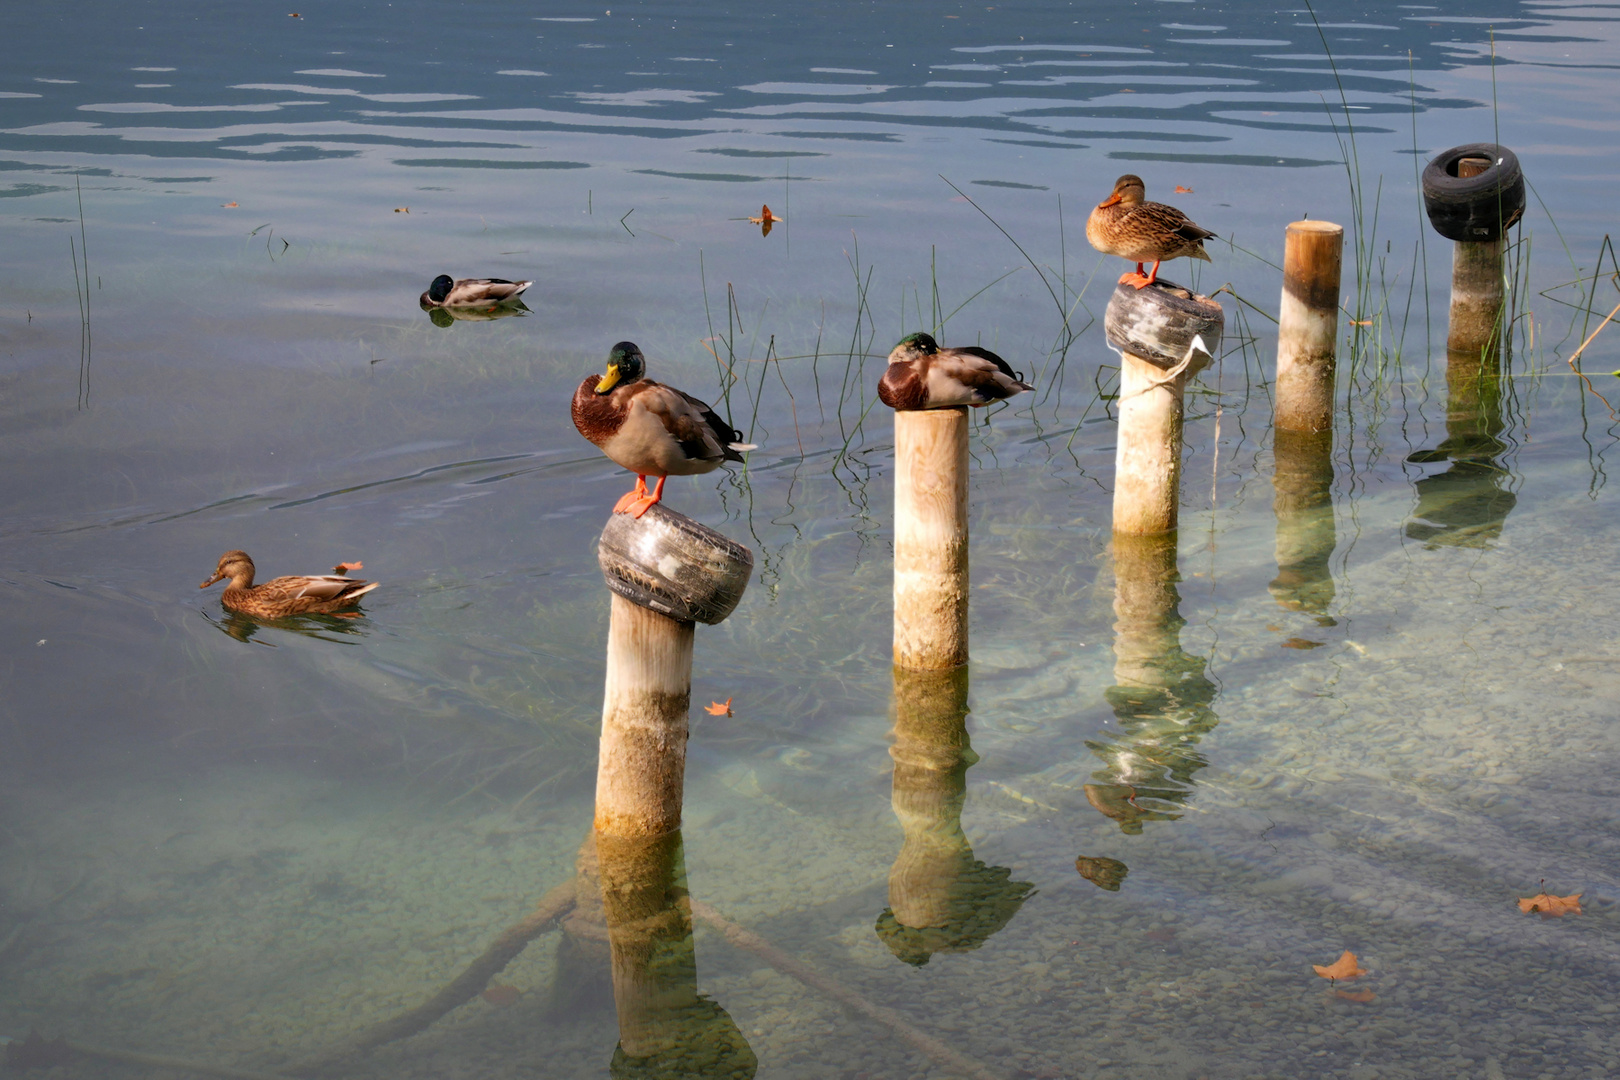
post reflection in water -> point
(941, 898)
(1303, 502)
(1161, 698)
(666, 1028)
(1467, 505)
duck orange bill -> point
(1110, 201)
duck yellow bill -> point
(610, 380)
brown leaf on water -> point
(1362, 996)
(715, 708)
(402, 209)
(345, 567)
(765, 220)
(1302, 643)
(1345, 967)
(501, 994)
(1105, 873)
(227, 206)
(1551, 906)
(1183, 190)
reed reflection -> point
(1161, 697)
(1302, 482)
(941, 898)
(1467, 505)
(666, 1028)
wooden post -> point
(1477, 287)
(930, 539)
(1302, 482)
(664, 1022)
(665, 571)
(1165, 335)
(1161, 696)
(941, 898)
(1308, 326)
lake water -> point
(239, 844)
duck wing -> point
(702, 435)
(319, 588)
(981, 375)
(470, 291)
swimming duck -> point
(471, 292)
(283, 596)
(649, 428)
(921, 375)
(1123, 224)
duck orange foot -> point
(638, 502)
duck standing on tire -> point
(1124, 224)
(649, 428)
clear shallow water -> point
(244, 851)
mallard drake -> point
(280, 597)
(649, 428)
(1125, 225)
(471, 292)
(921, 375)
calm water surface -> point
(1372, 727)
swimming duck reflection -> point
(941, 899)
(446, 317)
(1467, 505)
(244, 627)
(1302, 482)
(1161, 695)
(666, 1028)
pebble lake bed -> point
(236, 844)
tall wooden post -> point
(1308, 326)
(1477, 286)
(931, 539)
(1165, 335)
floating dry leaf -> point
(1183, 190)
(1302, 643)
(501, 994)
(1551, 906)
(345, 567)
(1344, 967)
(228, 205)
(1103, 872)
(402, 209)
(714, 708)
(765, 220)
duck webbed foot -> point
(630, 498)
(635, 505)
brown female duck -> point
(1124, 225)
(649, 428)
(323, 594)
(921, 375)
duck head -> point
(234, 565)
(913, 347)
(625, 365)
(1128, 190)
(439, 291)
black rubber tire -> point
(1477, 208)
(1158, 323)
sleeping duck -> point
(922, 375)
(1125, 225)
(649, 428)
(278, 598)
(446, 292)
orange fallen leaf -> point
(345, 567)
(228, 205)
(1344, 967)
(1183, 190)
(714, 708)
(1550, 906)
(402, 209)
(1361, 322)
(1363, 996)
(501, 994)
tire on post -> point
(1474, 206)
